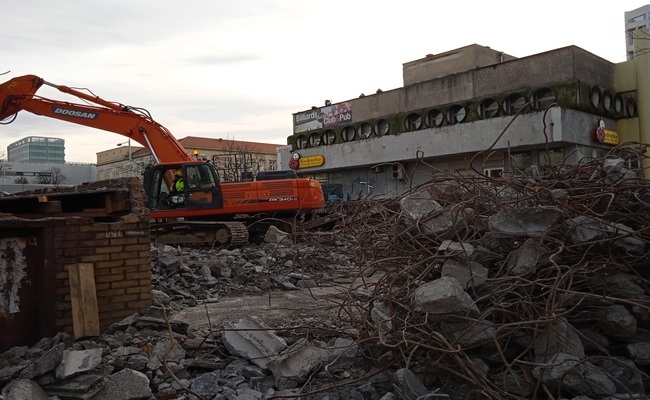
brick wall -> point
(119, 252)
(104, 224)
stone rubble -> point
(401, 335)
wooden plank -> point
(85, 317)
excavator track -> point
(218, 235)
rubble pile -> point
(514, 288)
(464, 288)
(185, 276)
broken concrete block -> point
(294, 365)
(528, 221)
(340, 354)
(381, 316)
(468, 333)
(252, 339)
(206, 385)
(527, 258)
(639, 352)
(47, 362)
(448, 222)
(407, 386)
(24, 389)
(125, 384)
(445, 296)
(77, 361)
(417, 205)
(458, 249)
(81, 387)
(625, 375)
(467, 273)
(558, 337)
(575, 375)
(618, 321)
(275, 236)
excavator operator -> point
(178, 185)
(176, 190)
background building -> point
(638, 18)
(37, 149)
(473, 110)
(230, 157)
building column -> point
(642, 72)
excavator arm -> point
(19, 94)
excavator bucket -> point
(20, 87)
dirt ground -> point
(277, 309)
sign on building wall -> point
(605, 136)
(297, 162)
(318, 118)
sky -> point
(240, 69)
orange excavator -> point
(205, 209)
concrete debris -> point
(24, 389)
(276, 236)
(77, 361)
(527, 221)
(252, 339)
(126, 384)
(509, 288)
(444, 297)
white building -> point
(635, 19)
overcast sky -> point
(240, 69)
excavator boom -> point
(204, 197)
(20, 94)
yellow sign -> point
(311, 161)
(610, 137)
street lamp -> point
(129, 143)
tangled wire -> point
(555, 263)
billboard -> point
(324, 117)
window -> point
(552, 156)
(413, 122)
(493, 172)
(607, 100)
(349, 133)
(457, 114)
(543, 98)
(301, 142)
(365, 130)
(488, 108)
(595, 97)
(434, 118)
(314, 139)
(329, 137)
(618, 104)
(521, 160)
(514, 103)
(381, 127)
(631, 107)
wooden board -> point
(85, 317)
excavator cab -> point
(199, 190)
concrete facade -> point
(390, 141)
(635, 19)
(74, 173)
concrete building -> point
(473, 110)
(37, 149)
(19, 176)
(230, 157)
(638, 18)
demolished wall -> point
(45, 233)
